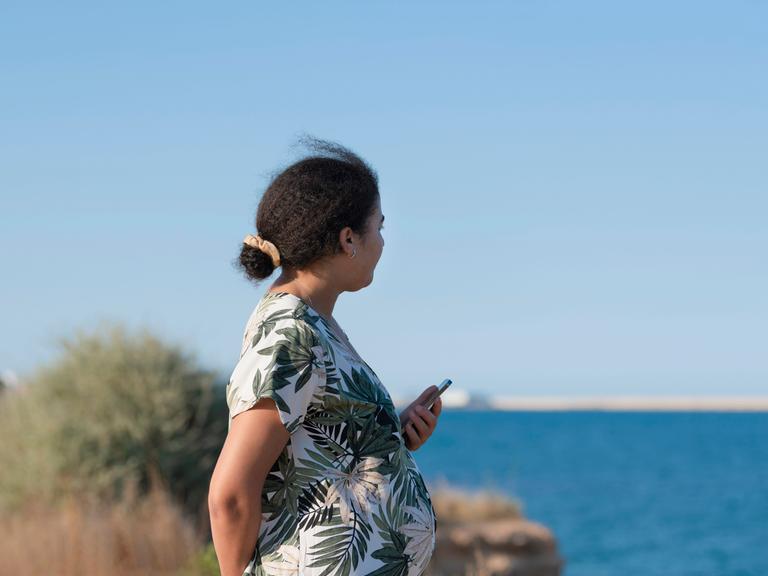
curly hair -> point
(307, 204)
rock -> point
(504, 547)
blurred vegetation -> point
(114, 408)
(203, 563)
(139, 535)
(456, 505)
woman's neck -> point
(311, 289)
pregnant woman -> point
(316, 475)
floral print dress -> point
(345, 496)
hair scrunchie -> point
(264, 246)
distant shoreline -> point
(634, 403)
(609, 404)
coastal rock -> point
(503, 547)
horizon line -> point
(611, 403)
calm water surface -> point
(625, 493)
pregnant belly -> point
(381, 519)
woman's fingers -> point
(427, 416)
(410, 432)
(423, 428)
(420, 423)
(426, 394)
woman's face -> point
(369, 249)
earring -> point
(353, 253)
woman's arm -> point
(255, 440)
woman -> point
(315, 476)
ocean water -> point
(625, 493)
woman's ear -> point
(346, 239)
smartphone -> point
(431, 399)
(440, 389)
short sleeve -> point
(285, 364)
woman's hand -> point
(418, 422)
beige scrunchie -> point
(264, 246)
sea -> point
(625, 493)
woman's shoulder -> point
(276, 317)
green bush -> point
(114, 409)
(204, 563)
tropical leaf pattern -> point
(345, 497)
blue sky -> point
(575, 193)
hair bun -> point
(265, 246)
